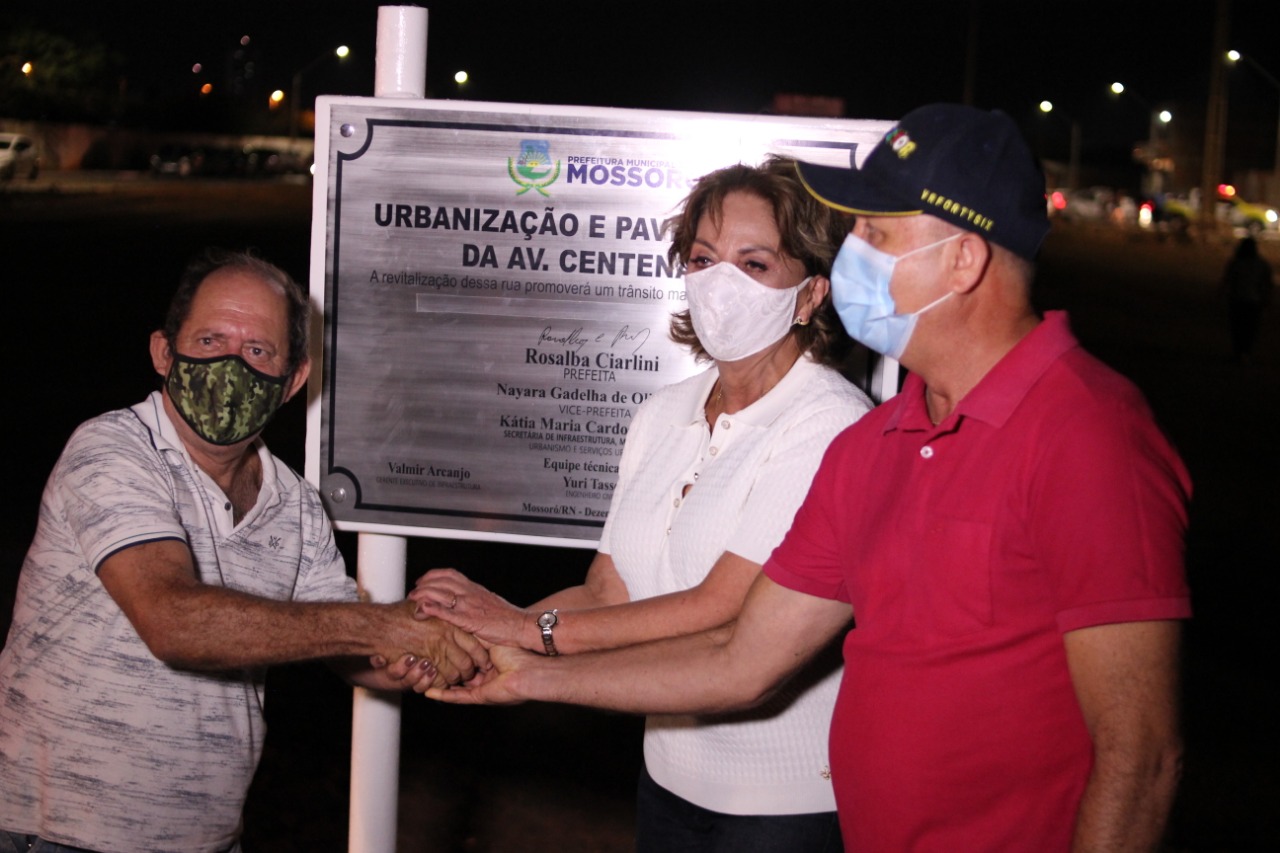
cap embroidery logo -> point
(900, 142)
(956, 209)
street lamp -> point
(1234, 56)
(295, 97)
(1163, 116)
(1073, 161)
(1156, 119)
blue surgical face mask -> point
(860, 280)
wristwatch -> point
(546, 622)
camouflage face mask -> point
(223, 399)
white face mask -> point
(860, 280)
(736, 316)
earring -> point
(800, 321)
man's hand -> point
(455, 654)
(1126, 678)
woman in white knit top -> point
(713, 472)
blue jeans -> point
(666, 823)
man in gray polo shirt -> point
(175, 558)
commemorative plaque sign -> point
(496, 293)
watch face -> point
(547, 620)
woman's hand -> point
(447, 595)
(492, 687)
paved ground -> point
(85, 273)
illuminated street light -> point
(1073, 160)
(295, 97)
(460, 78)
(1234, 56)
(1156, 160)
(1119, 88)
(1163, 116)
(27, 68)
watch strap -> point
(546, 622)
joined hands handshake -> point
(469, 637)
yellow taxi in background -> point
(1254, 218)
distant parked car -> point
(18, 156)
(1091, 204)
(1173, 213)
(1254, 218)
(1124, 211)
(177, 160)
(262, 162)
(223, 161)
(1179, 213)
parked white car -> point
(18, 157)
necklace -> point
(716, 400)
(714, 404)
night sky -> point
(882, 58)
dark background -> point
(723, 55)
(882, 59)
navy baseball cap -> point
(966, 166)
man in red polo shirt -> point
(1007, 533)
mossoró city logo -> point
(533, 169)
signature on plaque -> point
(625, 338)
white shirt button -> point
(725, 424)
(676, 502)
(713, 451)
(926, 452)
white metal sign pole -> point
(375, 717)
(401, 72)
(884, 379)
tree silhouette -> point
(68, 80)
